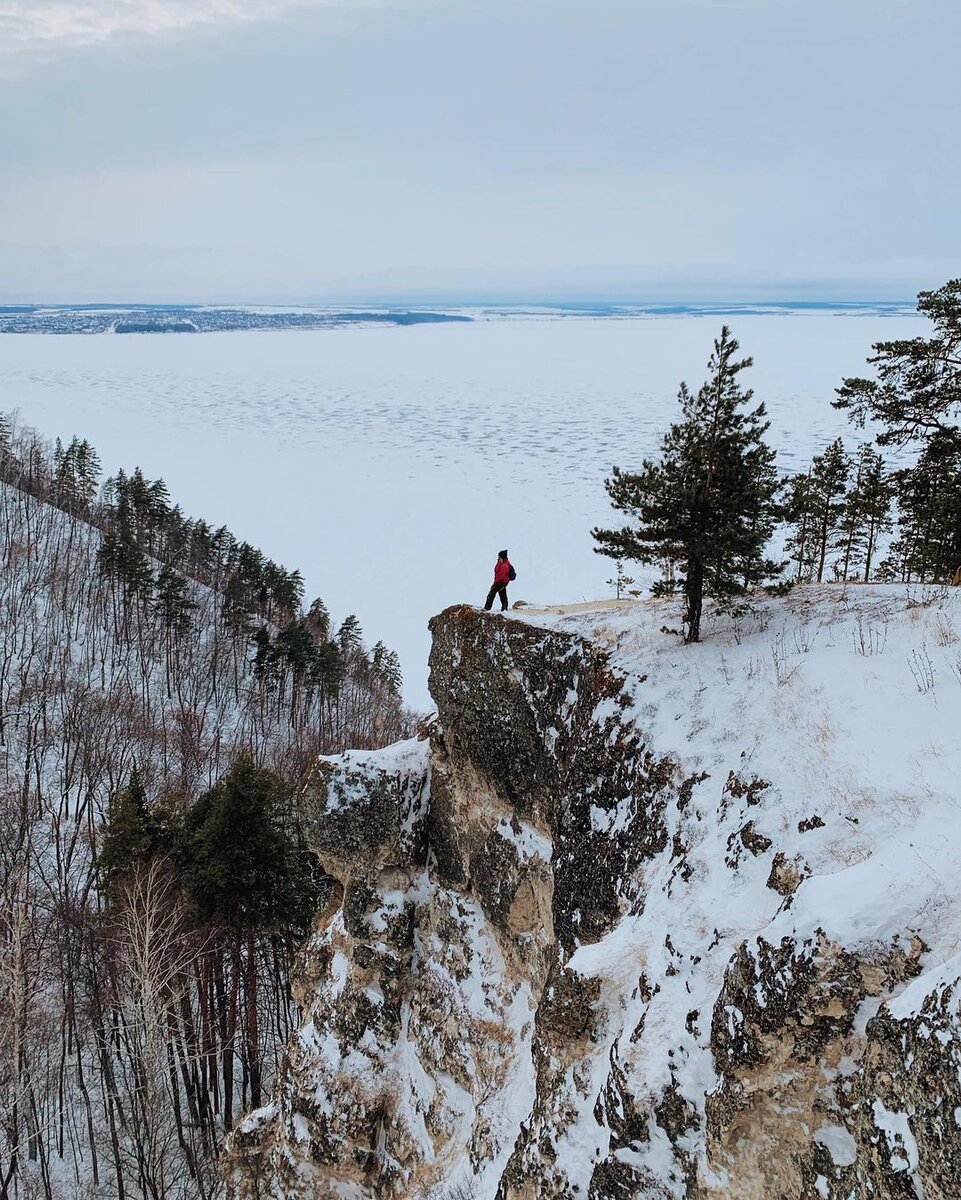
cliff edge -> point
(638, 919)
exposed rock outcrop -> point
(589, 938)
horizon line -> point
(473, 302)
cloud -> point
(38, 25)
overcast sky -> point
(451, 149)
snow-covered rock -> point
(640, 919)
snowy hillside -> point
(122, 1056)
(642, 919)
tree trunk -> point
(694, 594)
(253, 1033)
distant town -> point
(150, 318)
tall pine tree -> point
(866, 513)
(829, 478)
(916, 402)
(706, 510)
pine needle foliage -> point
(128, 836)
(705, 510)
(242, 867)
(916, 397)
(915, 402)
(866, 516)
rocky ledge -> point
(638, 920)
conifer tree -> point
(385, 668)
(176, 536)
(171, 602)
(76, 472)
(242, 866)
(237, 605)
(264, 660)
(350, 636)
(829, 476)
(916, 401)
(706, 509)
(247, 875)
(327, 668)
(928, 546)
(620, 581)
(800, 516)
(318, 620)
(866, 513)
(816, 510)
(128, 836)
(916, 398)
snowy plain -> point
(390, 465)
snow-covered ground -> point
(390, 465)
(845, 701)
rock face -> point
(588, 939)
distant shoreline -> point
(113, 318)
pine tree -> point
(134, 569)
(350, 636)
(829, 476)
(916, 398)
(242, 867)
(916, 401)
(619, 581)
(200, 552)
(128, 837)
(866, 512)
(318, 620)
(76, 472)
(327, 669)
(247, 877)
(237, 605)
(706, 510)
(816, 511)
(385, 668)
(172, 604)
(287, 592)
(928, 548)
(264, 660)
(800, 515)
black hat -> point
(501, 553)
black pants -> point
(497, 589)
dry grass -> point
(823, 731)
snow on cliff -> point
(643, 919)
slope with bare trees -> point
(162, 691)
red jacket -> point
(502, 571)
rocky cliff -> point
(635, 919)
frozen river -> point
(391, 464)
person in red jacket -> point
(503, 574)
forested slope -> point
(161, 690)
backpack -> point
(511, 574)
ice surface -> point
(390, 465)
